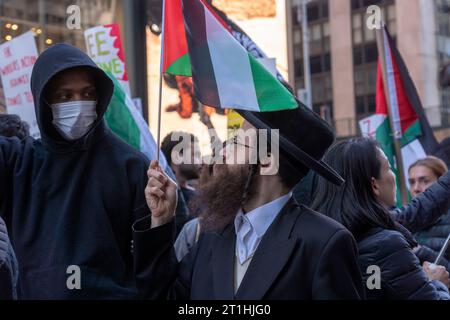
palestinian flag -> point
(224, 74)
(410, 122)
(124, 120)
(175, 49)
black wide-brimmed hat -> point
(304, 137)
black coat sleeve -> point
(424, 210)
(338, 275)
(157, 271)
(402, 276)
(154, 260)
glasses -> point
(234, 140)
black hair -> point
(354, 204)
(12, 126)
(168, 144)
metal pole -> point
(396, 133)
(161, 70)
(443, 250)
(306, 65)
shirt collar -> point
(262, 217)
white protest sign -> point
(17, 58)
(104, 46)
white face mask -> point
(74, 119)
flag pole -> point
(395, 127)
(161, 62)
(443, 250)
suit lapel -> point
(223, 264)
(271, 256)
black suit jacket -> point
(303, 255)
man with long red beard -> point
(257, 242)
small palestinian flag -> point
(224, 74)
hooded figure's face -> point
(72, 96)
(75, 84)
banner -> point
(17, 58)
(104, 46)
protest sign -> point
(104, 46)
(17, 58)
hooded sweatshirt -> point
(69, 205)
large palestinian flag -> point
(224, 74)
(417, 139)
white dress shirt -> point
(251, 227)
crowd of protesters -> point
(324, 226)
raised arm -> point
(424, 210)
(158, 274)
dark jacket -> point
(402, 276)
(432, 239)
(303, 255)
(428, 217)
(425, 209)
(72, 203)
(8, 266)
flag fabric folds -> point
(224, 74)
(417, 138)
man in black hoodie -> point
(69, 199)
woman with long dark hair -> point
(362, 205)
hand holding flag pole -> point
(441, 253)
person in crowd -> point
(9, 271)
(182, 152)
(190, 233)
(69, 198)
(257, 242)
(12, 126)
(181, 149)
(422, 175)
(362, 205)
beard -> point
(219, 195)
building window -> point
(365, 89)
(365, 53)
(47, 19)
(443, 43)
(317, 10)
(319, 57)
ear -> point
(375, 187)
(269, 165)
